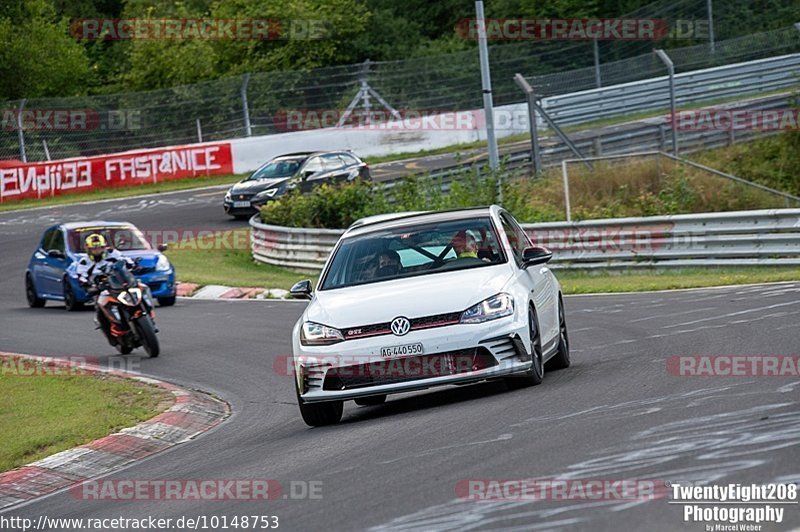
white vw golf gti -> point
(414, 300)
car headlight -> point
(497, 306)
(264, 194)
(163, 264)
(317, 334)
(228, 196)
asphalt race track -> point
(617, 413)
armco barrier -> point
(729, 81)
(761, 238)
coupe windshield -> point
(123, 238)
(277, 168)
(414, 250)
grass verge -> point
(121, 192)
(206, 262)
(225, 259)
(590, 282)
(44, 414)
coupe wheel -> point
(71, 302)
(166, 301)
(34, 301)
(561, 359)
(535, 374)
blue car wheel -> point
(34, 301)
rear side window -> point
(348, 159)
(333, 161)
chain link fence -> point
(257, 104)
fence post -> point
(536, 157)
(20, 134)
(710, 14)
(245, 109)
(486, 86)
(564, 175)
(199, 131)
(596, 50)
(46, 150)
(671, 69)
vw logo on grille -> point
(400, 326)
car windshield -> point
(277, 168)
(120, 277)
(412, 250)
(123, 238)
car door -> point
(538, 279)
(55, 262)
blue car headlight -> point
(497, 306)
(163, 264)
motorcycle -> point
(128, 310)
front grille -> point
(406, 369)
(240, 197)
(425, 322)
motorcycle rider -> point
(91, 270)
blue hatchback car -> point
(51, 272)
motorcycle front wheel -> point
(147, 335)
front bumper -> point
(455, 354)
(161, 284)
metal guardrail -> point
(762, 238)
(694, 87)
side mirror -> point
(301, 290)
(56, 254)
(535, 255)
(163, 247)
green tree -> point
(37, 55)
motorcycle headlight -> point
(317, 334)
(265, 194)
(131, 297)
(495, 307)
(163, 263)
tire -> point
(320, 414)
(70, 302)
(373, 400)
(147, 335)
(123, 349)
(561, 359)
(535, 374)
(34, 301)
(166, 301)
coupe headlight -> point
(264, 194)
(317, 334)
(495, 307)
(163, 263)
